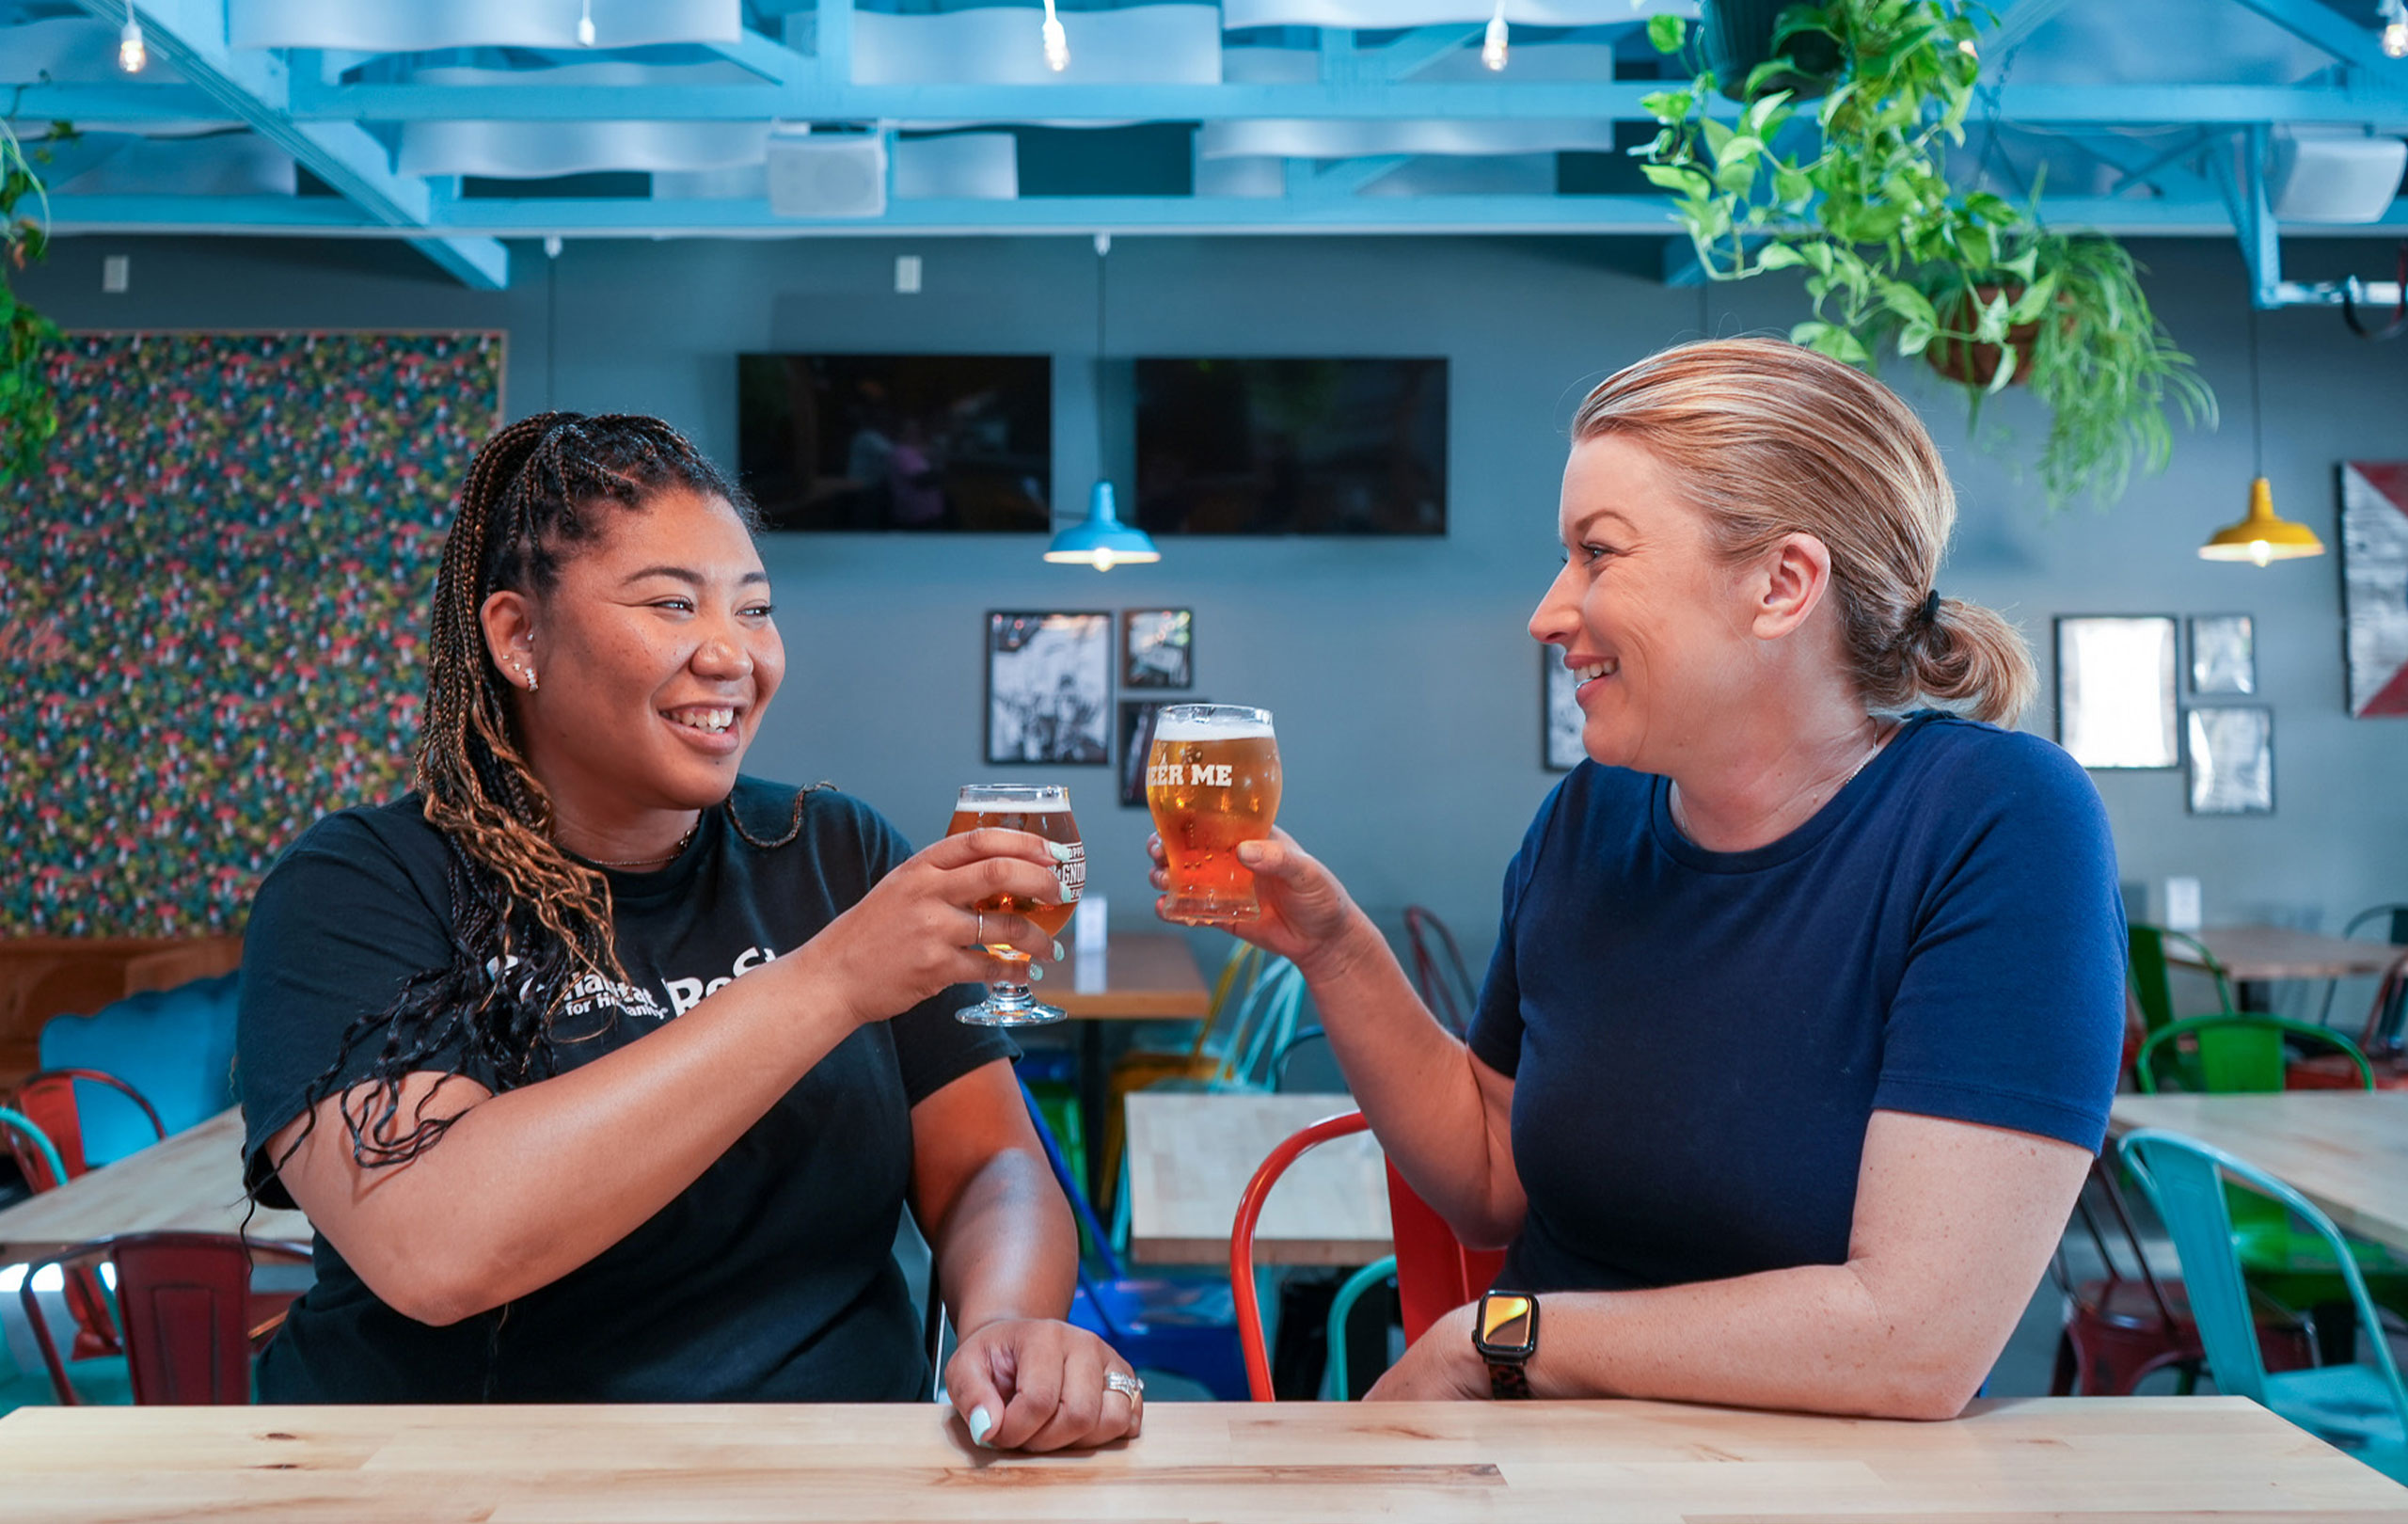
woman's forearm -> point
(1417, 1083)
(1007, 1248)
(527, 1185)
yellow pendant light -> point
(2260, 538)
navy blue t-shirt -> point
(1697, 1039)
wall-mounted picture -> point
(2224, 654)
(1137, 718)
(1157, 649)
(1048, 688)
(2116, 692)
(2232, 760)
(2374, 585)
(1559, 713)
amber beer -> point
(1211, 780)
(1042, 811)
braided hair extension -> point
(530, 923)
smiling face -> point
(655, 654)
(1661, 635)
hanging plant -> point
(29, 412)
(1855, 194)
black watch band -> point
(1505, 1332)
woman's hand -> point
(1441, 1367)
(916, 933)
(1039, 1384)
(1306, 913)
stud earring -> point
(530, 678)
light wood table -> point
(1148, 976)
(2346, 1150)
(2255, 956)
(192, 1181)
(1190, 1157)
(2066, 1460)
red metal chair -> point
(1435, 1273)
(188, 1316)
(47, 1099)
(1439, 969)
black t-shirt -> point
(771, 1278)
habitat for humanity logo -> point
(685, 994)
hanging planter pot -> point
(1738, 37)
(1976, 365)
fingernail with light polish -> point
(1058, 953)
(980, 1421)
(1035, 972)
(1062, 852)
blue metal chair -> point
(2359, 1410)
(1185, 1325)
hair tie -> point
(1929, 613)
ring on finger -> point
(1127, 1383)
(982, 937)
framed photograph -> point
(1048, 689)
(2115, 695)
(2374, 585)
(2232, 760)
(1559, 716)
(1156, 648)
(1136, 739)
(2224, 654)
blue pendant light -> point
(1100, 540)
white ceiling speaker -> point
(827, 176)
(2334, 176)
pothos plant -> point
(1851, 188)
(29, 412)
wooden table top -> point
(2154, 1458)
(1190, 1157)
(1148, 976)
(191, 1182)
(2346, 1150)
(2279, 952)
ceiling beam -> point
(2321, 26)
(1081, 216)
(255, 86)
(2015, 24)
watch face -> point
(1509, 1325)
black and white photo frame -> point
(2115, 690)
(1560, 717)
(1157, 649)
(2233, 759)
(1137, 718)
(1048, 688)
(2224, 654)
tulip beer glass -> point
(1041, 811)
(1211, 780)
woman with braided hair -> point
(1808, 996)
(604, 1073)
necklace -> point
(683, 842)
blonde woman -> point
(1805, 1010)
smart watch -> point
(1506, 1334)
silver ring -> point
(1126, 1384)
(981, 938)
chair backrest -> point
(1066, 1178)
(32, 1147)
(1430, 1264)
(183, 1305)
(2241, 1053)
(1264, 1022)
(1439, 969)
(2152, 982)
(2392, 918)
(2183, 1179)
(49, 1097)
(1238, 974)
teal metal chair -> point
(2358, 1408)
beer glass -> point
(1211, 780)
(1042, 811)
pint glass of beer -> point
(1041, 811)
(1211, 780)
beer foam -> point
(1013, 806)
(1214, 727)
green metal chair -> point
(2361, 1409)
(2241, 1053)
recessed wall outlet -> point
(116, 272)
(907, 274)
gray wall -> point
(1405, 685)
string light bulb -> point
(1058, 42)
(1492, 46)
(2395, 29)
(585, 24)
(132, 54)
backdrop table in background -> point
(1148, 976)
(2257, 956)
(2155, 1458)
(192, 1183)
(1190, 1157)
(2346, 1150)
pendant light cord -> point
(1103, 272)
(2256, 407)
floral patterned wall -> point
(212, 607)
